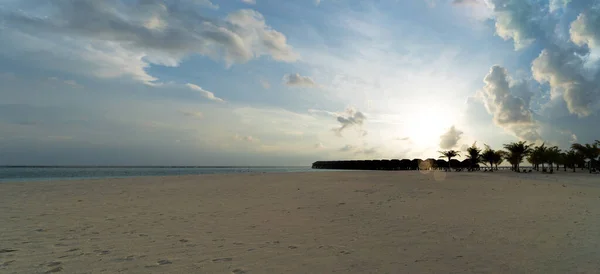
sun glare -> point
(427, 124)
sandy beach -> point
(322, 222)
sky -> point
(271, 82)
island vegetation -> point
(543, 158)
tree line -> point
(541, 157)
(584, 156)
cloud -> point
(350, 118)
(518, 20)
(323, 112)
(319, 146)
(265, 84)
(367, 151)
(466, 2)
(347, 148)
(566, 33)
(208, 4)
(402, 139)
(508, 110)
(450, 139)
(585, 30)
(72, 83)
(205, 93)
(247, 138)
(249, 2)
(567, 74)
(120, 39)
(194, 114)
(358, 150)
(297, 80)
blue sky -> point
(265, 82)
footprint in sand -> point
(222, 260)
(7, 250)
(238, 271)
(56, 265)
(125, 259)
(292, 247)
(7, 263)
(164, 262)
(54, 270)
(102, 252)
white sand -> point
(343, 222)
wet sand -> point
(323, 222)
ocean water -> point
(8, 174)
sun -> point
(425, 125)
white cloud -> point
(322, 112)
(517, 20)
(194, 114)
(568, 74)
(349, 118)
(347, 148)
(450, 139)
(114, 39)
(249, 2)
(467, 2)
(297, 80)
(508, 110)
(71, 83)
(205, 93)
(246, 138)
(586, 29)
(358, 150)
(209, 4)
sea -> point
(11, 174)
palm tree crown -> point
(516, 152)
(449, 154)
(474, 155)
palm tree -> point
(552, 156)
(516, 152)
(562, 160)
(537, 157)
(474, 155)
(499, 156)
(571, 159)
(449, 154)
(588, 152)
(489, 156)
